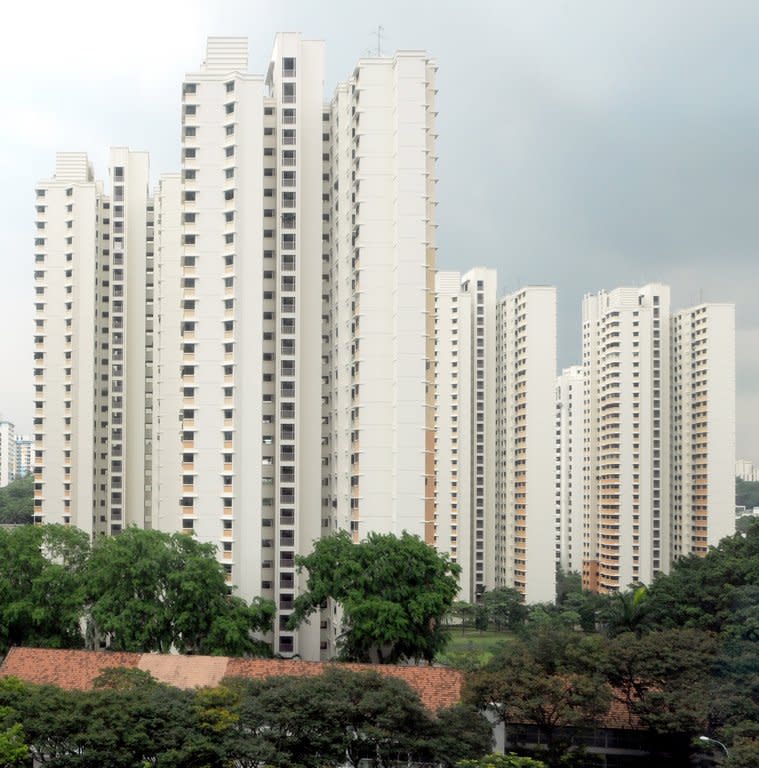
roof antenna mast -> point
(380, 30)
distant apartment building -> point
(7, 453)
(480, 284)
(525, 443)
(658, 434)
(569, 476)
(24, 455)
(626, 451)
(703, 427)
(454, 529)
(745, 470)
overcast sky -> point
(582, 144)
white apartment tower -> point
(248, 354)
(453, 426)
(703, 427)
(569, 475)
(379, 308)
(24, 455)
(7, 453)
(480, 284)
(251, 329)
(93, 347)
(745, 470)
(626, 371)
(525, 442)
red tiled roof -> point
(73, 670)
(437, 687)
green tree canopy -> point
(719, 592)
(394, 592)
(17, 501)
(552, 678)
(151, 591)
(41, 586)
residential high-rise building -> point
(569, 475)
(659, 433)
(379, 312)
(7, 453)
(24, 455)
(525, 443)
(251, 329)
(480, 284)
(745, 470)
(626, 431)
(92, 377)
(454, 529)
(703, 427)
(69, 244)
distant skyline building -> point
(24, 455)
(746, 470)
(7, 453)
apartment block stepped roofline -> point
(262, 292)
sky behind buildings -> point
(583, 145)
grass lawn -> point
(472, 647)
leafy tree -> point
(41, 586)
(714, 593)
(665, 679)
(626, 611)
(394, 593)
(459, 732)
(464, 612)
(341, 715)
(550, 679)
(746, 493)
(17, 501)
(13, 750)
(505, 608)
(151, 591)
(502, 761)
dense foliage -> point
(144, 590)
(17, 501)
(681, 657)
(746, 493)
(332, 719)
(394, 593)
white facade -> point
(745, 470)
(454, 529)
(7, 453)
(379, 345)
(480, 284)
(168, 394)
(703, 427)
(525, 442)
(626, 451)
(251, 333)
(24, 455)
(69, 245)
(569, 477)
(92, 357)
